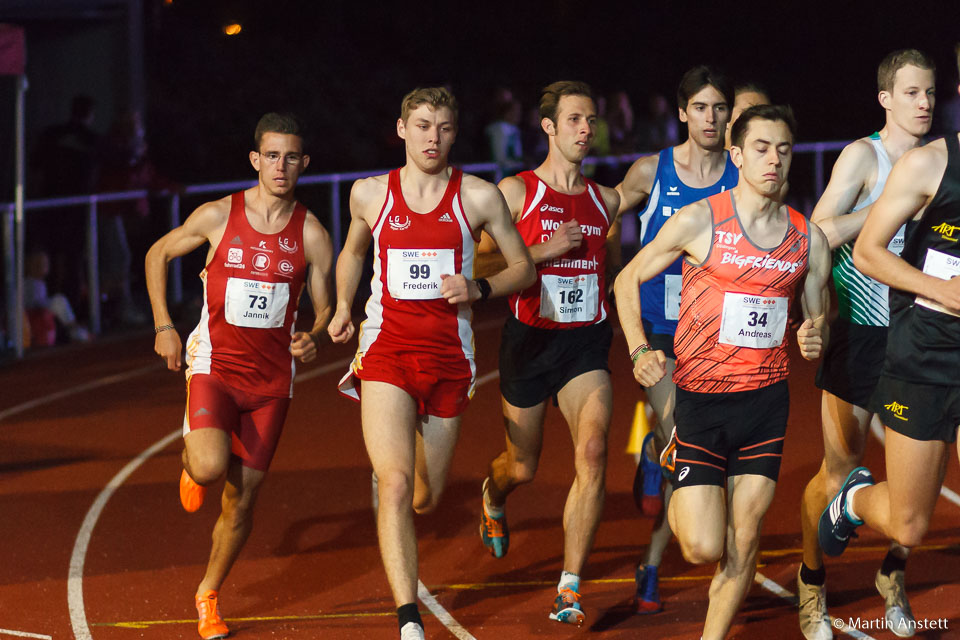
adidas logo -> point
(201, 412)
(446, 218)
(236, 240)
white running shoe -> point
(899, 617)
(412, 631)
(814, 620)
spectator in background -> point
(660, 128)
(746, 94)
(66, 154)
(503, 134)
(51, 318)
(620, 122)
(65, 162)
(125, 167)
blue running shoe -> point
(648, 592)
(836, 526)
(566, 608)
(648, 482)
(493, 531)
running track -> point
(93, 543)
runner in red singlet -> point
(557, 339)
(415, 355)
(746, 255)
(265, 248)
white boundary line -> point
(87, 386)
(24, 634)
(78, 616)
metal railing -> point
(13, 254)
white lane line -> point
(877, 429)
(441, 614)
(72, 391)
(425, 596)
(78, 617)
(24, 634)
(836, 623)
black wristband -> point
(484, 287)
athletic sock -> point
(892, 563)
(492, 511)
(569, 581)
(813, 577)
(408, 613)
(848, 504)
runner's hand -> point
(650, 368)
(341, 327)
(302, 346)
(567, 236)
(168, 346)
(949, 294)
(457, 289)
(810, 340)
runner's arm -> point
(198, 228)
(911, 185)
(815, 300)
(635, 189)
(679, 235)
(833, 211)
(611, 200)
(363, 198)
(318, 250)
(493, 215)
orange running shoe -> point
(191, 494)
(211, 625)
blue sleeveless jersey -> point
(660, 296)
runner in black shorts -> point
(535, 364)
(858, 336)
(721, 435)
(556, 341)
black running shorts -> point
(729, 434)
(852, 362)
(536, 363)
(659, 341)
(916, 410)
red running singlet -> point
(251, 288)
(735, 307)
(406, 314)
(570, 291)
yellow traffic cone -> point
(639, 430)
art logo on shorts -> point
(261, 261)
(286, 267)
(286, 246)
(897, 410)
(235, 255)
(947, 231)
(398, 223)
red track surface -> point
(312, 569)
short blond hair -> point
(436, 97)
(887, 71)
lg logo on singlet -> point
(683, 474)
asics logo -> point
(683, 474)
(547, 207)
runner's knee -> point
(701, 549)
(909, 529)
(395, 488)
(205, 467)
(592, 455)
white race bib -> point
(569, 298)
(414, 274)
(895, 245)
(256, 304)
(939, 265)
(756, 322)
(672, 284)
